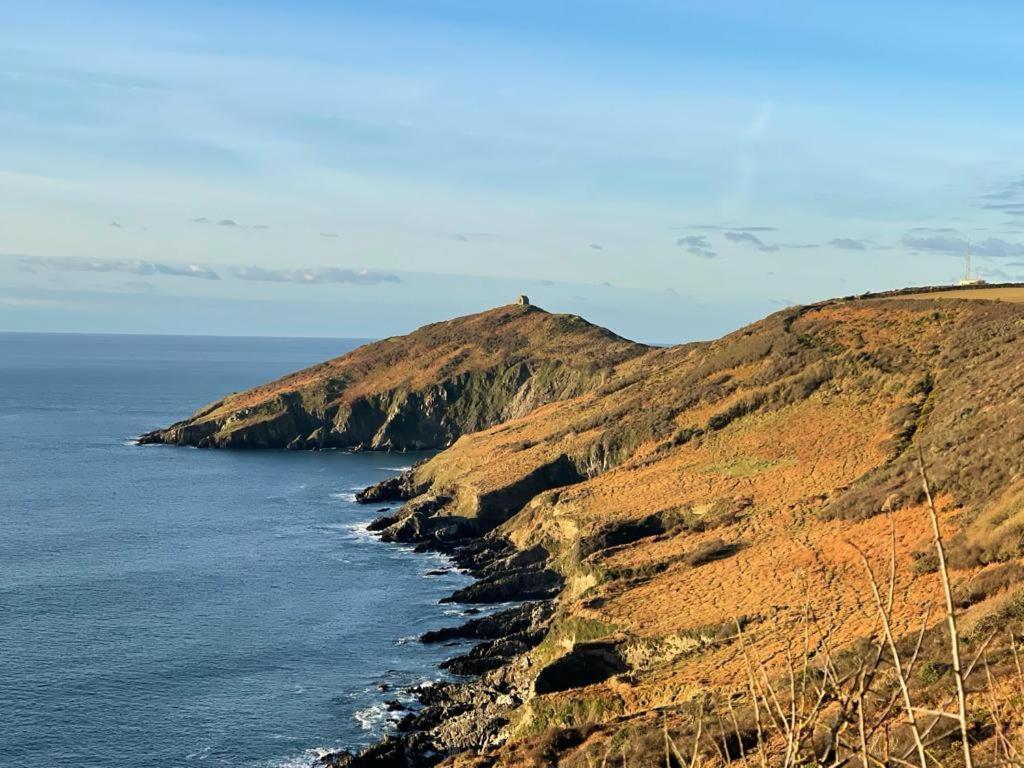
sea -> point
(172, 607)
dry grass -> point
(999, 293)
(859, 708)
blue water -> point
(166, 606)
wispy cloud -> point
(1012, 190)
(227, 223)
(116, 225)
(329, 234)
(722, 228)
(132, 267)
(596, 247)
(993, 247)
(468, 237)
(314, 275)
(697, 245)
(746, 238)
(851, 244)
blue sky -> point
(671, 169)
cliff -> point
(418, 391)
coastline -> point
(491, 678)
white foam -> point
(395, 469)
(359, 531)
(309, 759)
(373, 717)
(345, 496)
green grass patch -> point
(746, 466)
(566, 633)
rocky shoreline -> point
(466, 714)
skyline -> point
(671, 170)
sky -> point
(672, 169)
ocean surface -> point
(165, 606)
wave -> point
(308, 759)
(345, 496)
(377, 717)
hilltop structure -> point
(969, 277)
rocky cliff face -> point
(419, 391)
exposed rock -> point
(399, 488)
(508, 622)
(491, 654)
(390, 752)
(520, 584)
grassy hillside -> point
(730, 544)
(736, 484)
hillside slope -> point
(417, 391)
(734, 483)
(691, 528)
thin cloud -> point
(122, 265)
(993, 247)
(851, 244)
(1013, 209)
(746, 238)
(1013, 190)
(329, 234)
(720, 228)
(596, 247)
(314, 275)
(227, 223)
(697, 245)
(200, 220)
(468, 237)
(116, 225)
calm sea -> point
(167, 606)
